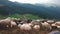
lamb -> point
(35, 22)
(25, 28)
(5, 22)
(53, 26)
(50, 21)
(57, 23)
(36, 27)
(17, 21)
(46, 26)
(58, 27)
(13, 24)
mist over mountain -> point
(42, 10)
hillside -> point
(8, 7)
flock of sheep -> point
(28, 25)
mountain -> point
(8, 7)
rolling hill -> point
(8, 7)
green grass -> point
(27, 16)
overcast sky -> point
(57, 2)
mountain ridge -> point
(20, 8)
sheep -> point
(58, 27)
(18, 21)
(36, 27)
(46, 26)
(35, 22)
(25, 28)
(19, 25)
(53, 26)
(50, 21)
(13, 24)
(5, 22)
(57, 23)
(29, 21)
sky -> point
(31, 1)
(57, 2)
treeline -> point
(23, 16)
(20, 8)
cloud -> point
(1, 5)
(31, 1)
(57, 2)
(51, 2)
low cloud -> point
(1, 5)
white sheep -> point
(13, 24)
(46, 26)
(25, 27)
(58, 27)
(36, 27)
(53, 26)
(57, 23)
(6, 22)
(19, 25)
(35, 22)
(50, 21)
(31, 24)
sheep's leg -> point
(9, 25)
(29, 32)
(35, 32)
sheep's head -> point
(25, 27)
(13, 23)
(35, 22)
(36, 27)
(45, 24)
(53, 24)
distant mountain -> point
(8, 7)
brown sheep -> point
(5, 22)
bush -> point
(27, 16)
